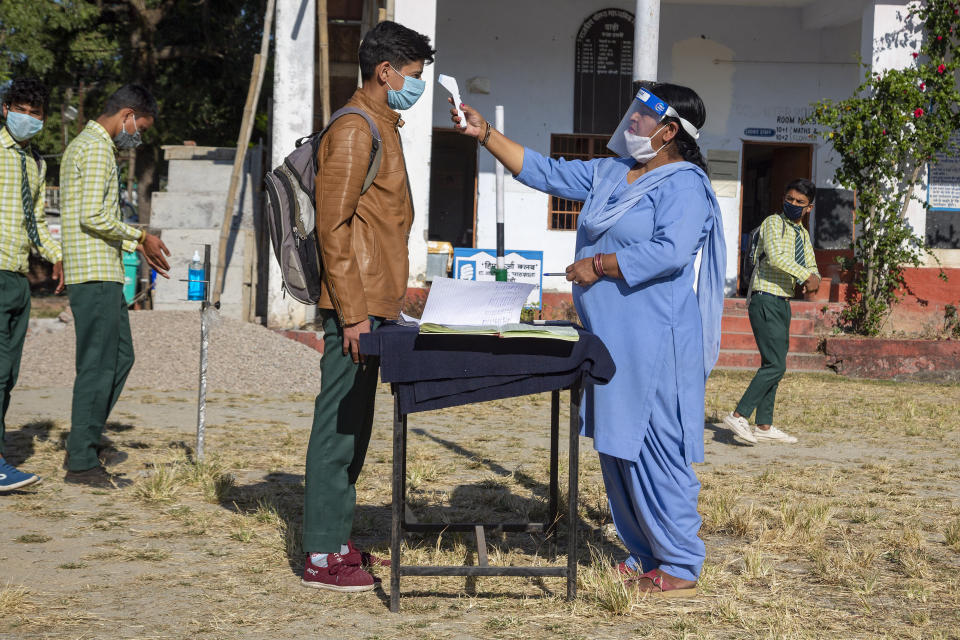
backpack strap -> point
(376, 148)
(759, 254)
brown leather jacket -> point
(363, 238)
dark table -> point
(428, 372)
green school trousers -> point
(770, 321)
(104, 359)
(14, 320)
(342, 423)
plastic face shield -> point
(644, 117)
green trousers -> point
(104, 358)
(770, 321)
(14, 320)
(342, 422)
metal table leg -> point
(399, 499)
(553, 510)
(576, 394)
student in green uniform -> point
(22, 226)
(94, 239)
(785, 260)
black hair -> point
(27, 91)
(394, 43)
(690, 107)
(132, 96)
(804, 186)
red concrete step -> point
(749, 359)
(803, 308)
(741, 324)
(745, 341)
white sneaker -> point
(740, 427)
(772, 435)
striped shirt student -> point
(787, 260)
(94, 238)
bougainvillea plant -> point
(896, 123)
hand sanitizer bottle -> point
(196, 287)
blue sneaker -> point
(11, 478)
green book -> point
(513, 330)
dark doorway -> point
(767, 169)
(453, 188)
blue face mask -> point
(408, 95)
(792, 211)
(23, 127)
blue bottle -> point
(196, 287)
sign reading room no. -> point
(603, 71)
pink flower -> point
(939, 38)
(923, 86)
(917, 112)
(884, 132)
(941, 68)
(915, 55)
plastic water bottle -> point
(196, 287)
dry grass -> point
(853, 533)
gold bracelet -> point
(143, 236)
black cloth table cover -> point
(434, 371)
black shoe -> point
(108, 455)
(98, 478)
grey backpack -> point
(291, 210)
(756, 254)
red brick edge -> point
(894, 359)
(312, 339)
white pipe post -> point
(501, 270)
(646, 40)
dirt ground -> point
(852, 533)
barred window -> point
(573, 146)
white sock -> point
(320, 559)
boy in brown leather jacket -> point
(363, 245)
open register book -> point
(469, 307)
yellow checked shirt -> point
(779, 272)
(14, 241)
(94, 234)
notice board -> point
(943, 190)
(603, 71)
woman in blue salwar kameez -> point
(646, 217)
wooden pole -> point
(324, 37)
(246, 128)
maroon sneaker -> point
(338, 575)
(626, 572)
(364, 559)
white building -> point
(757, 64)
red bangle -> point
(598, 264)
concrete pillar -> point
(887, 42)
(417, 135)
(295, 27)
(646, 40)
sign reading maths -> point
(603, 71)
